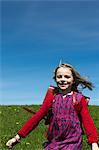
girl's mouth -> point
(62, 83)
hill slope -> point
(13, 117)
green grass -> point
(13, 117)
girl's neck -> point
(64, 92)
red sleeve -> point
(34, 120)
(88, 123)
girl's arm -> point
(34, 120)
(88, 123)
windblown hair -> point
(78, 79)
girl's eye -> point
(59, 76)
(66, 76)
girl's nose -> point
(63, 79)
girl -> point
(69, 111)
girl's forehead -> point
(64, 70)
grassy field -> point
(13, 117)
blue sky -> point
(35, 35)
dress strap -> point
(76, 97)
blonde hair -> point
(78, 79)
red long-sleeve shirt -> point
(87, 121)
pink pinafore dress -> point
(65, 131)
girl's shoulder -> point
(51, 87)
(79, 98)
(54, 89)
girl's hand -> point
(95, 146)
(13, 141)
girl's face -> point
(64, 78)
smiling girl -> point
(69, 111)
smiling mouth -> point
(63, 84)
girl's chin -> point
(63, 88)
